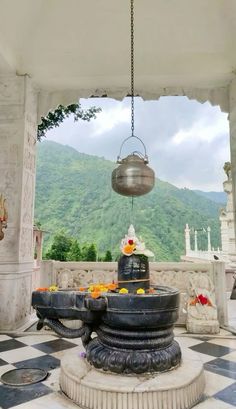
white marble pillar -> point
(187, 240)
(18, 127)
(231, 205)
(224, 231)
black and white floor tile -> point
(45, 351)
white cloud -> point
(108, 119)
(187, 142)
(202, 131)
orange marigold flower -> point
(151, 291)
(111, 286)
(128, 248)
(97, 287)
(95, 294)
(193, 302)
(42, 289)
(82, 289)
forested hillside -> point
(74, 194)
(218, 197)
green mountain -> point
(218, 197)
(74, 194)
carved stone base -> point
(203, 327)
(131, 361)
(15, 294)
(89, 388)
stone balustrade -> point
(174, 274)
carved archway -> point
(215, 96)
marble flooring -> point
(44, 350)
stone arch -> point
(215, 96)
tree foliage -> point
(59, 248)
(65, 248)
(108, 256)
(74, 253)
(91, 253)
(55, 118)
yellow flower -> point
(53, 288)
(98, 288)
(103, 289)
(140, 291)
(123, 291)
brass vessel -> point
(133, 177)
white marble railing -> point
(174, 274)
(202, 255)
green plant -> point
(55, 118)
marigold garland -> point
(96, 290)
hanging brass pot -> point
(133, 177)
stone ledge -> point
(203, 327)
(180, 388)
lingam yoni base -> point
(134, 332)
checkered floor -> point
(44, 350)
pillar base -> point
(15, 290)
(89, 388)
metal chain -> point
(132, 211)
(132, 63)
(132, 84)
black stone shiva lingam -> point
(134, 324)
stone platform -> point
(203, 326)
(179, 388)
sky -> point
(187, 142)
